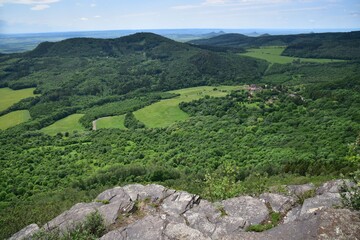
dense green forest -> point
(299, 123)
(315, 45)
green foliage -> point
(272, 222)
(315, 45)
(92, 228)
(222, 184)
(131, 122)
(350, 192)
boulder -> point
(278, 203)
(229, 226)
(26, 232)
(180, 231)
(248, 208)
(152, 192)
(333, 186)
(116, 201)
(312, 205)
(68, 220)
(149, 228)
(179, 202)
(299, 190)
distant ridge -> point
(316, 45)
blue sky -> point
(19, 16)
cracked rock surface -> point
(155, 212)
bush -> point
(350, 194)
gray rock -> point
(248, 208)
(313, 205)
(203, 217)
(278, 203)
(180, 231)
(148, 228)
(119, 203)
(179, 202)
(333, 186)
(71, 218)
(228, 226)
(153, 192)
(26, 232)
(292, 215)
(299, 190)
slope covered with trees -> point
(299, 123)
(316, 45)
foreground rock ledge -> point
(155, 212)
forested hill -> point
(315, 45)
(145, 61)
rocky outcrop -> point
(154, 212)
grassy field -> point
(273, 55)
(68, 124)
(14, 118)
(166, 112)
(111, 122)
(10, 97)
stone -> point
(299, 190)
(179, 202)
(313, 205)
(278, 203)
(152, 192)
(149, 228)
(229, 226)
(71, 218)
(119, 203)
(248, 208)
(26, 232)
(180, 231)
(292, 215)
(333, 186)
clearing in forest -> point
(273, 55)
(10, 97)
(167, 112)
(111, 122)
(68, 124)
(14, 118)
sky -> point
(32, 16)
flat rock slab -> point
(152, 192)
(74, 216)
(179, 202)
(149, 228)
(299, 190)
(248, 208)
(180, 231)
(312, 205)
(26, 232)
(278, 203)
(333, 186)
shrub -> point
(350, 194)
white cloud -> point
(39, 7)
(29, 2)
(97, 16)
(84, 19)
(93, 5)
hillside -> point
(315, 45)
(98, 71)
(243, 127)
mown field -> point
(14, 118)
(111, 122)
(167, 112)
(273, 55)
(10, 97)
(69, 124)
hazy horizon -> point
(45, 16)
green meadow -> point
(69, 124)
(8, 97)
(167, 112)
(273, 55)
(14, 118)
(111, 122)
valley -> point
(237, 113)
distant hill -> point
(315, 45)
